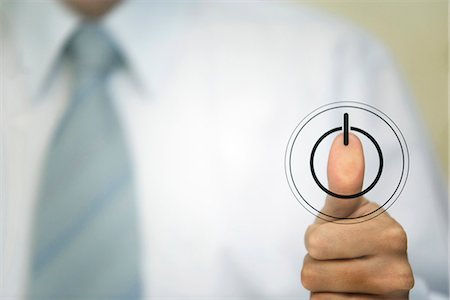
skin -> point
(365, 260)
(92, 9)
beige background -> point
(416, 32)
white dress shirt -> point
(209, 98)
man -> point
(144, 154)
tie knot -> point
(92, 50)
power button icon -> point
(346, 129)
(385, 176)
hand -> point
(365, 260)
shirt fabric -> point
(209, 98)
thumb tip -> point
(346, 165)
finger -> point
(347, 296)
(334, 241)
(341, 296)
(345, 176)
(336, 276)
(375, 275)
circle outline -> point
(357, 105)
(371, 186)
(379, 208)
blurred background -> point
(417, 34)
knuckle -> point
(400, 279)
(316, 245)
(405, 277)
(396, 238)
(308, 276)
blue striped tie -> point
(85, 237)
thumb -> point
(345, 176)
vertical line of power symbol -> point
(346, 129)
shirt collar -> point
(150, 35)
(39, 31)
(144, 34)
